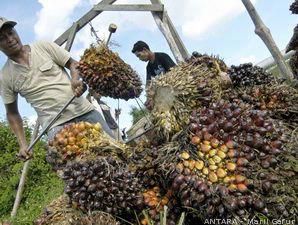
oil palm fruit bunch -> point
(143, 157)
(146, 171)
(294, 7)
(280, 100)
(231, 134)
(77, 139)
(248, 75)
(175, 94)
(108, 75)
(155, 202)
(103, 184)
(217, 175)
(59, 212)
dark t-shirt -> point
(162, 64)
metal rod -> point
(109, 38)
(23, 176)
(139, 135)
(50, 124)
(145, 114)
(112, 29)
(118, 120)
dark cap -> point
(139, 46)
(4, 21)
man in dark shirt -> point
(158, 62)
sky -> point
(218, 27)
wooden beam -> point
(72, 35)
(130, 7)
(166, 26)
(176, 37)
(264, 33)
(168, 36)
(82, 22)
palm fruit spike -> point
(108, 75)
(212, 62)
(173, 95)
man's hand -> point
(78, 87)
(24, 154)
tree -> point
(137, 113)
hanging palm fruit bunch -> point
(294, 7)
(248, 75)
(108, 75)
(280, 100)
(232, 164)
(78, 140)
(103, 184)
(173, 95)
(59, 212)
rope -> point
(118, 119)
(145, 113)
(94, 33)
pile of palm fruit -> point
(278, 99)
(262, 91)
(107, 74)
(294, 7)
(225, 152)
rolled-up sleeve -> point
(7, 93)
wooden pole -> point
(264, 33)
(167, 28)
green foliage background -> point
(42, 184)
(137, 113)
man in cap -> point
(37, 72)
(158, 62)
